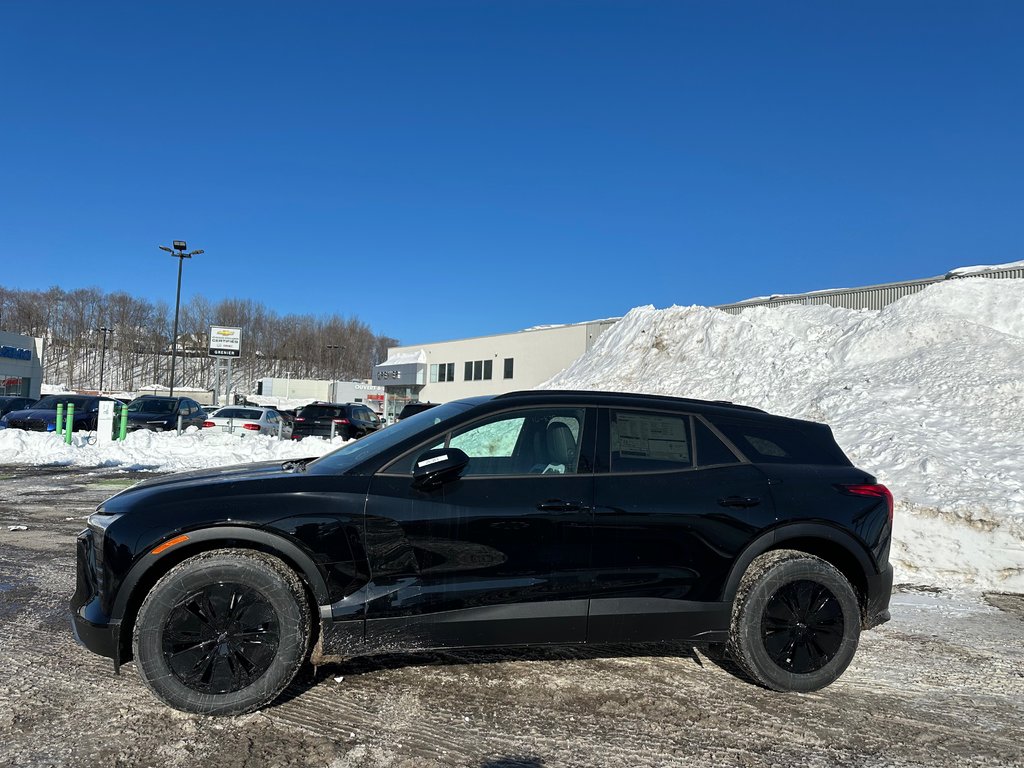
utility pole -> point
(178, 252)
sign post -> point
(225, 343)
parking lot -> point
(942, 684)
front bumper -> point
(91, 624)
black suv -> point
(529, 518)
(347, 420)
(160, 414)
(411, 409)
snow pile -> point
(927, 394)
(167, 451)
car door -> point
(673, 505)
(500, 555)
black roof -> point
(634, 398)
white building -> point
(321, 389)
(21, 365)
(485, 365)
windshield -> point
(352, 453)
(153, 405)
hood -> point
(35, 413)
(232, 473)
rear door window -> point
(643, 441)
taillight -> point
(208, 424)
(876, 490)
(300, 418)
(251, 427)
(341, 421)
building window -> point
(442, 372)
(508, 367)
(479, 370)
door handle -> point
(557, 505)
(740, 502)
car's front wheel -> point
(223, 632)
(795, 622)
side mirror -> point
(433, 468)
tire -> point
(223, 633)
(795, 622)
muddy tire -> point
(223, 632)
(795, 622)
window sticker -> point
(645, 436)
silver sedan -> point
(243, 420)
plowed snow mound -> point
(927, 394)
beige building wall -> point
(537, 355)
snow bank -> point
(927, 394)
(166, 451)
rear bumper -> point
(876, 608)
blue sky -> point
(450, 169)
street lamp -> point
(103, 354)
(334, 358)
(178, 252)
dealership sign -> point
(225, 342)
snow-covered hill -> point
(927, 394)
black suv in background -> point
(349, 420)
(529, 518)
(160, 414)
(411, 409)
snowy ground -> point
(941, 685)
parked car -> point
(530, 518)
(160, 414)
(411, 409)
(245, 419)
(10, 403)
(42, 416)
(349, 420)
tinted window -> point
(782, 444)
(649, 442)
(321, 412)
(153, 405)
(710, 449)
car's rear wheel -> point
(223, 632)
(795, 622)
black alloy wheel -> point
(223, 632)
(802, 628)
(221, 638)
(795, 622)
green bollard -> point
(69, 423)
(60, 418)
(123, 430)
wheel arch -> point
(150, 568)
(832, 545)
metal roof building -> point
(874, 296)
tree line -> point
(138, 350)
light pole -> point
(334, 358)
(103, 354)
(178, 252)
(287, 385)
